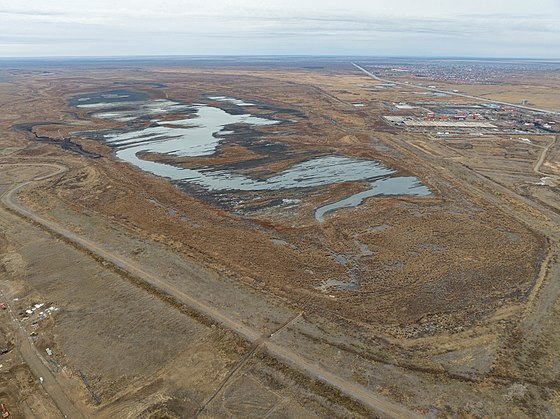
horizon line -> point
(164, 56)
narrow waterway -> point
(406, 185)
(170, 128)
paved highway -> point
(513, 105)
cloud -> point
(39, 40)
(26, 13)
(430, 27)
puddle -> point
(378, 229)
(514, 237)
(352, 284)
(398, 265)
(113, 96)
(364, 249)
(341, 259)
(173, 213)
(407, 185)
(226, 99)
(432, 247)
(545, 181)
(281, 242)
(131, 111)
(338, 284)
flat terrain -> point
(135, 296)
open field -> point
(511, 81)
(173, 299)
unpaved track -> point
(256, 346)
(39, 369)
(491, 193)
(542, 157)
(377, 403)
(31, 356)
(538, 317)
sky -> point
(473, 28)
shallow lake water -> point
(405, 185)
(191, 137)
(197, 130)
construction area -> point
(311, 239)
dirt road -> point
(40, 370)
(379, 404)
(542, 157)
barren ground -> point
(168, 301)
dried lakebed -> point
(164, 127)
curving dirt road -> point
(377, 403)
(542, 157)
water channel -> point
(198, 130)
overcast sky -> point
(479, 28)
